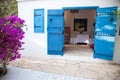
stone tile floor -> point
(57, 69)
(15, 73)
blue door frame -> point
(96, 48)
(55, 32)
(80, 8)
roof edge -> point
(25, 0)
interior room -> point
(79, 31)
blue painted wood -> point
(39, 20)
(55, 32)
(105, 29)
(80, 8)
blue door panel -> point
(105, 30)
(56, 42)
(107, 10)
(55, 32)
(105, 45)
(56, 38)
(55, 12)
(105, 26)
(53, 24)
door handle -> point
(51, 19)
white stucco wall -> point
(36, 43)
(116, 57)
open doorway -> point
(79, 31)
(105, 30)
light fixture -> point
(74, 11)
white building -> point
(47, 19)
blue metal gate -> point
(105, 30)
(55, 32)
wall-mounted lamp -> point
(74, 11)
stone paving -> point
(15, 73)
(75, 68)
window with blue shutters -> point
(39, 20)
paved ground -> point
(15, 73)
(56, 69)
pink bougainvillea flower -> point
(11, 34)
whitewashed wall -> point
(116, 57)
(36, 43)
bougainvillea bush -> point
(11, 35)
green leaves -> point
(116, 12)
(8, 7)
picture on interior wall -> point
(80, 25)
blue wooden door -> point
(55, 32)
(105, 30)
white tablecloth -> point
(80, 38)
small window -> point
(39, 20)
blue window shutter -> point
(39, 20)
